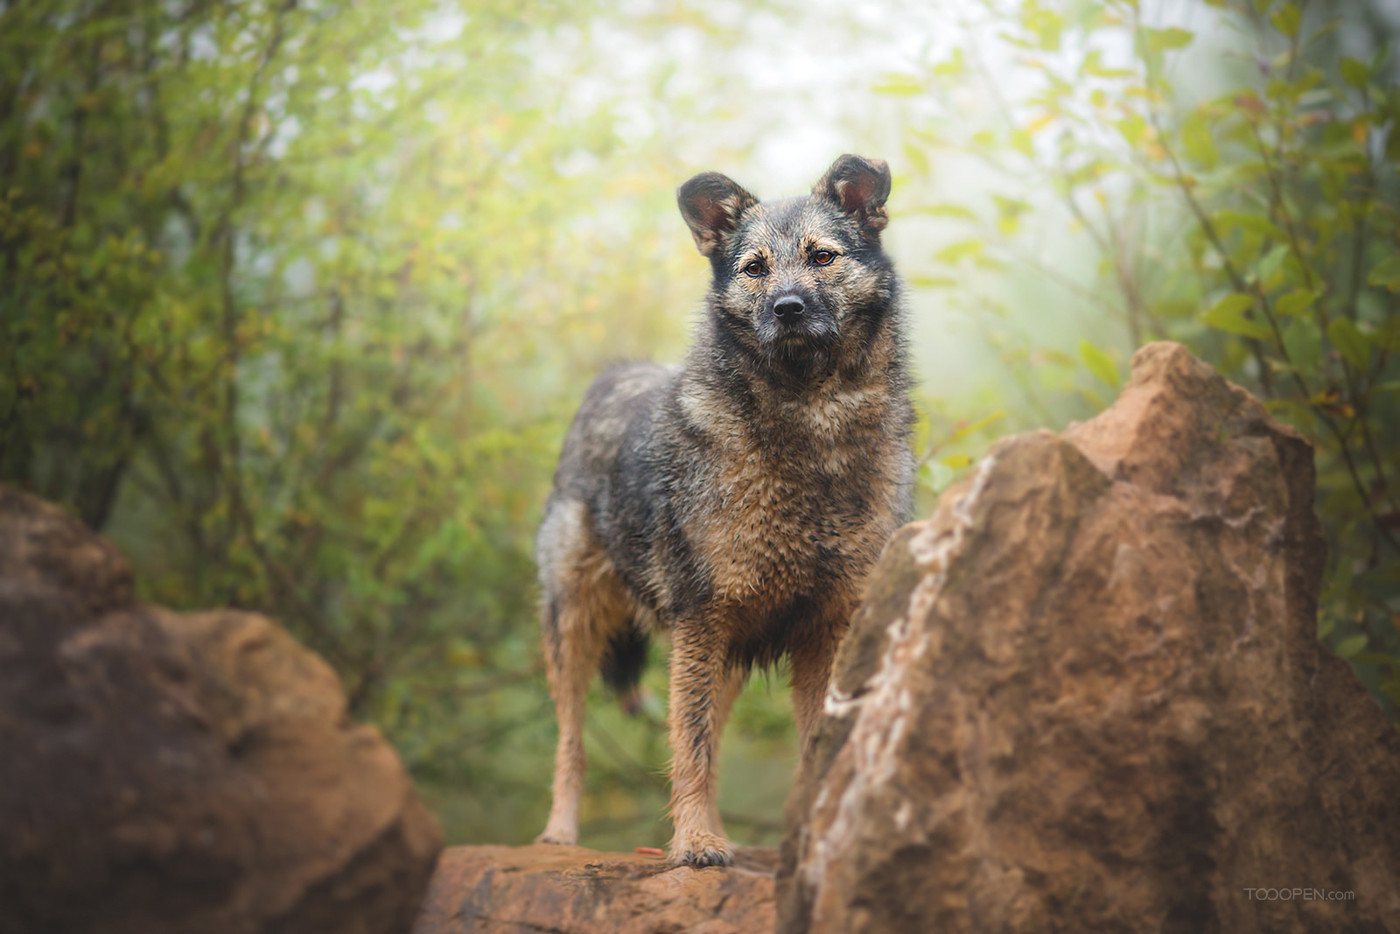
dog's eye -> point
(823, 257)
(753, 268)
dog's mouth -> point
(808, 331)
(799, 353)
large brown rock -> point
(520, 890)
(1087, 694)
(181, 773)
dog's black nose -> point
(788, 307)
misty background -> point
(297, 298)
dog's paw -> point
(701, 849)
(558, 838)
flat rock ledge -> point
(530, 889)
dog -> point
(740, 500)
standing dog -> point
(740, 500)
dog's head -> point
(792, 276)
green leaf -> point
(957, 461)
(955, 252)
(1174, 37)
(1287, 19)
(1350, 342)
(1252, 223)
(899, 85)
(1020, 141)
(1093, 65)
(1350, 646)
(1230, 306)
(1009, 211)
(1010, 207)
(1046, 24)
(933, 282)
(1271, 263)
(951, 68)
(1325, 625)
(1132, 128)
(1302, 341)
(1386, 273)
(1228, 315)
(1355, 72)
(1296, 302)
(1100, 364)
(918, 159)
(1195, 137)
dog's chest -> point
(791, 512)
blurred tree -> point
(295, 299)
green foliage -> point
(1255, 220)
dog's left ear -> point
(858, 186)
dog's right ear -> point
(711, 204)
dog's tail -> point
(623, 662)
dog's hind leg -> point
(583, 606)
(570, 662)
(811, 671)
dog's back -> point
(739, 501)
(623, 398)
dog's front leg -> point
(700, 678)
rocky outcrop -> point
(162, 772)
(1087, 694)
(517, 890)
